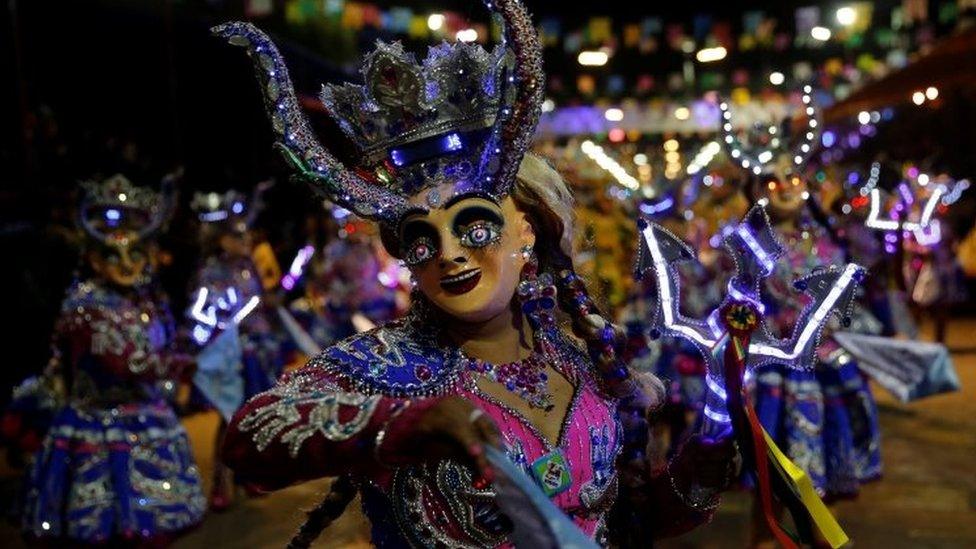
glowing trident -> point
(734, 341)
(755, 249)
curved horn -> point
(749, 159)
(802, 152)
(758, 161)
(519, 111)
(295, 139)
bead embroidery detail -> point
(283, 419)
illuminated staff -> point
(755, 250)
(297, 268)
(734, 341)
(758, 161)
(213, 314)
(926, 229)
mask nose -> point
(126, 265)
(452, 254)
(457, 260)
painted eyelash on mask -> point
(410, 255)
(493, 234)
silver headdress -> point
(464, 116)
(232, 208)
(113, 205)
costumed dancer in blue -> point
(824, 416)
(115, 465)
(227, 294)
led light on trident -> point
(754, 248)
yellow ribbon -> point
(802, 485)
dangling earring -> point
(537, 294)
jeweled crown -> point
(114, 203)
(455, 89)
(213, 207)
(120, 193)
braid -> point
(325, 513)
(602, 344)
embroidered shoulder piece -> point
(400, 359)
(336, 414)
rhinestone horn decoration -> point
(463, 116)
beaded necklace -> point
(526, 378)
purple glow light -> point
(661, 206)
(906, 193)
(746, 235)
(452, 142)
(716, 416)
(828, 138)
(288, 282)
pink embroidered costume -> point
(460, 121)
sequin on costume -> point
(115, 462)
(825, 419)
(438, 503)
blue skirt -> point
(825, 420)
(105, 475)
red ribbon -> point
(747, 426)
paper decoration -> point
(915, 11)
(333, 7)
(600, 29)
(751, 21)
(258, 8)
(586, 84)
(352, 16)
(399, 21)
(806, 18)
(701, 26)
(550, 31)
(573, 42)
(632, 35)
(722, 33)
(650, 26)
(371, 15)
(674, 34)
(294, 13)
